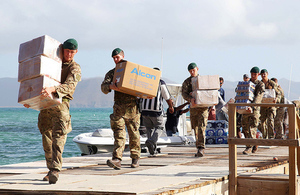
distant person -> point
(55, 123)
(221, 90)
(125, 113)
(198, 115)
(246, 77)
(279, 118)
(152, 114)
(220, 114)
(250, 121)
(238, 115)
(173, 118)
(267, 114)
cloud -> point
(136, 24)
(215, 34)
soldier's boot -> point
(53, 176)
(254, 149)
(114, 163)
(200, 152)
(247, 151)
(135, 163)
(46, 178)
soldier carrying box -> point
(198, 115)
(267, 114)
(55, 123)
(251, 121)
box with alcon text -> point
(137, 80)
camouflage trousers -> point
(249, 125)
(54, 124)
(129, 116)
(267, 115)
(199, 117)
(278, 122)
(238, 122)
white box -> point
(243, 109)
(205, 82)
(269, 96)
(40, 103)
(43, 45)
(39, 66)
(30, 93)
(205, 98)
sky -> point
(223, 37)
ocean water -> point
(21, 141)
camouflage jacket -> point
(272, 85)
(186, 89)
(119, 97)
(281, 95)
(70, 76)
(258, 91)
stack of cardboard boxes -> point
(205, 90)
(40, 62)
(244, 94)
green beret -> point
(263, 71)
(192, 66)
(255, 69)
(70, 44)
(116, 52)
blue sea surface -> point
(21, 141)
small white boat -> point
(102, 140)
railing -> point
(292, 142)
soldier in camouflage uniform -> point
(198, 115)
(125, 112)
(278, 122)
(267, 114)
(251, 121)
(55, 123)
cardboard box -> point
(244, 95)
(243, 109)
(245, 86)
(40, 103)
(39, 66)
(137, 80)
(269, 96)
(205, 98)
(43, 45)
(205, 82)
(29, 93)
